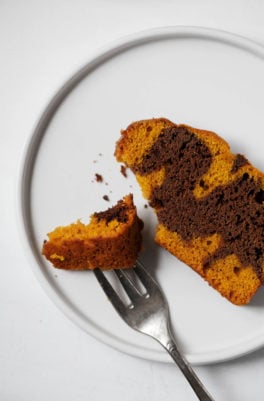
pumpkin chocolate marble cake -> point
(112, 239)
(209, 202)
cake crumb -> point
(106, 198)
(98, 177)
(123, 170)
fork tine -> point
(110, 292)
(128, 285)
(148, 282)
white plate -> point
(205, 78)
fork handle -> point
(187, 370)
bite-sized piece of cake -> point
(209, 202)
(111, 240)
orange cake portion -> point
(209, 202)
(112, 239)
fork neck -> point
(166, 337)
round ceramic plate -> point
(204, 78)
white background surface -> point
(42, 354)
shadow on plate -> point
(149, 255)
(258, 299)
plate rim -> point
(24, 175)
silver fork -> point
(148, 313)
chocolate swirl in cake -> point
(235, 210)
